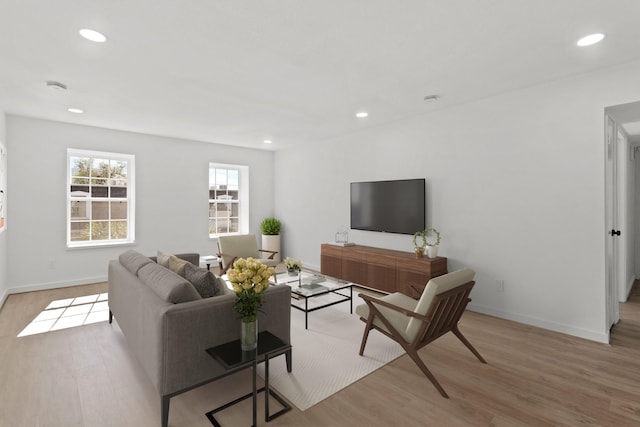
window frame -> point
(130, 198)
(242, 202)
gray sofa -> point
(168, 326)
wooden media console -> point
(385, 270)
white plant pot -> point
(271, 243)
(432, 251)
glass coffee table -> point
(308, 285)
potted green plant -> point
(271, 236)
(421, 241)
(270, 226)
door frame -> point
(612, 311)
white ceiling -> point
(238, 72)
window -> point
(100, 202)
(228, 199)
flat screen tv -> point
(388, 206)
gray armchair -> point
(233, 247)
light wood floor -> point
(85, 376)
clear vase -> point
(249, 334)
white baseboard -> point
(544, 324)
(3, 298)
(629, 287)
(312, 267)
(54, 285)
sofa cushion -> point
(398, 320)
(133, 261)
(205, 282)
(167, 284)
(223, 287)
(163, 259)
(177, 265)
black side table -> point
(231, 356)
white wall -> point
(515, 186)
(4, 285)
(171, 198)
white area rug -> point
(325, 356)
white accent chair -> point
(233, 247)
(415, 323)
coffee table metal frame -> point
(329, 286)
(233, 358)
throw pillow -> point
(163, 259)
(177, 265)
(222, 287)
(205, 282)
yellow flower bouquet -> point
(250, 278)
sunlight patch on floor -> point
(69, 313)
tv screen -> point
(388, 206)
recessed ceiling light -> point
(362, 114)
(590, 39)
(75, 110)
(93, 35)
(267, 141)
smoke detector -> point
(56, 85)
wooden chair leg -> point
(466, 342)
(414, 356)
(367, 329)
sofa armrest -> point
(188, 329)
